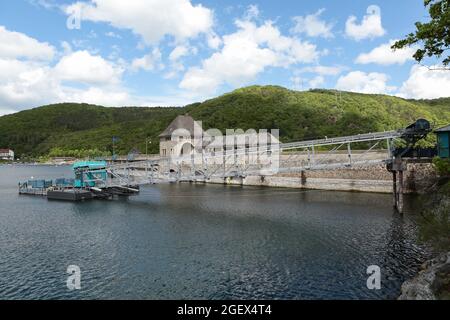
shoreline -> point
(429, 281)
(357, 179)
(432, 282)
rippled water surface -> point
(203, 242)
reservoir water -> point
(186, 241)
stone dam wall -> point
(418, 178)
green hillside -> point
(298, 115)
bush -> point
(435, 226)
(79, 154)
(442, 166)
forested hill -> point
(66, 127)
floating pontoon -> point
(92, 180)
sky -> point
(175, 52)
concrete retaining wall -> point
(373, 179)
(379, 186)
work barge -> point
(93, 180)
(103, 180)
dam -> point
(251, 159)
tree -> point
(435, 35)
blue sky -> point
(174, 52)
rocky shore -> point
(432, 282)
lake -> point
(195, 241)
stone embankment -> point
(418, 179)
(432, 282)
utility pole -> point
(147, 141)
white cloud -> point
(149, 62)
(4, 112)
(369, 28)
(214, 41)
(245, 54)
(67, 48)
(176, 66)
(113, 35)
(28, 80)
(358, 81)
(24, 84)
(25, 76)
(18, 45)
(384, 55)
(178, 52)
(83, 67)
(151, 19)
(9, 68)
(28, 77)
(322, 70)
(47, 4)
(252, 12)
(312, 25)
(96, 95)
(317, 82)
(425, 83)
(301, 83)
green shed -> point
(443, 141)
